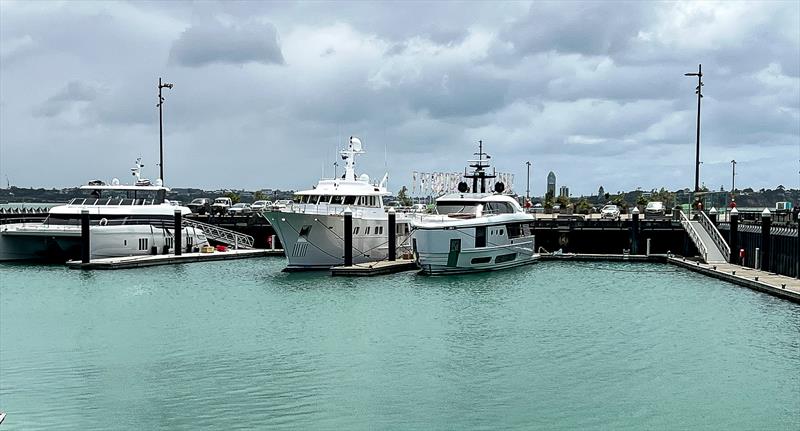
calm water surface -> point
(233, 345)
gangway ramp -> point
(707, 239)
(219, 234)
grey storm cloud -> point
(214, 42)
(591, 90)
(587, 27)
(74, 91)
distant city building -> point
(563, 191)
(601, 191)
(551, 184)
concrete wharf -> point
(169, 259)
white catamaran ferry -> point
(312, 228)
(125, 220)
(472, 230)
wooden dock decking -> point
(374, 268)
(774, 284)
(169, 259)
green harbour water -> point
(241, 345)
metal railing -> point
(226, 236)
(687, 225)
(713, 232)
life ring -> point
(103, 221)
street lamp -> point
(161, 127)
(699, 93)
(733, 177)
(528, 191)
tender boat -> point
(125, 220)
(474, 231)
(311, 228)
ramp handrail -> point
(717, 237)
(220, 234)
(701, 247)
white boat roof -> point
(345, 187)
(476, 197)
(164, 209)
(126, 188)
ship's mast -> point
(348, 155)
(479, 173)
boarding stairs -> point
(706, 237)
(226, 236)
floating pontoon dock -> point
(374, 268)
(168, 259)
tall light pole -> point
(733, 176)
(528, 191)
(699, 93)
(161, 127)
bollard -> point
(348, 237)
(272, 242)
(733, 235)
(635, 232)
(177, 233)
(766, 222)
(86, 251)
(392, 236)
(755, 259)
(648, 246)
(236, 242)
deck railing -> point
(713, 232)
(227, 236)
(687, 225)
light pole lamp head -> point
(166, 85)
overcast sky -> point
(266, 91)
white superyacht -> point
(473, 231)
(125, 220)
(311, 229)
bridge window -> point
(336, 200)
(349, 200)
(485, 259)
(324, 198)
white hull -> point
(26, 241)
(434, 255)
(321, 245)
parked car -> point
(418, 208)
(200, 205)
(260, 205)
(610, 211)
(654, 208)
(221, 205)
(283, 203)
(240, 209)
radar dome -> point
(115, 181)
(355, 143)
(159, 182)
(364, 178)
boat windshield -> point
(456, 207)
